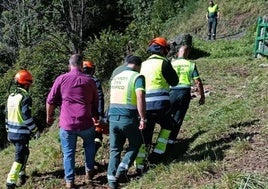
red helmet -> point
(88, 64)
(23, 77)
(159, 41)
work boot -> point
(70, 185)
(122, 178)
(22, 179)
(89, 176)
(13, 175)
(113, 185)
(10, 185)
(155, 158)
(139, 172)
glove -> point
(103, 120)
(35, 135)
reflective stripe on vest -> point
(123, 93)
(184, 70)
(157, 98)
(15, 120)
(212, 11)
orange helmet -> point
(159, 41)
(157, 44)
(23, 77)
(88, 64)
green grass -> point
(214, 136)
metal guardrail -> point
(261, 40)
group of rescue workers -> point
(142, 94)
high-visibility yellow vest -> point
(152, 70)
(122, 94)
(15, 121)
(184, 70)
(212, 11)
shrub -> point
(107, 52)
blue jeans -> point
(68, 145)
(122, 128)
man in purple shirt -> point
(76, 95)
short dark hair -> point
(127, 57)
(134, 60)
(76, 60)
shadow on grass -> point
(99, 178)
(213, 150)
(49, 175)
(245, 124)
(178, 150)
(197, 53)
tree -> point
(27, 22)
(21, 26)
(86, 18)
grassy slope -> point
(222, 144)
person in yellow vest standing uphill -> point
(20, 126)
(126, 117)
(212, 16)
(180, 95)
(159, 75)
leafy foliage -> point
(107, 52)
(45, 66)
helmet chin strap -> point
(10, 84)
